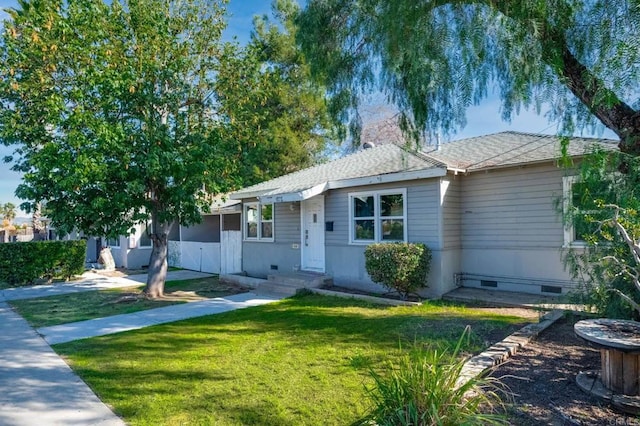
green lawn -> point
(54, 310)
(301, 361)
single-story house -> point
(487, 207)
(214, 245)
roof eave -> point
(389, 178)
(289, 197)
(512, 165)
(241, 195)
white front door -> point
(313, 234)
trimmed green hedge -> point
(403, 267)
(23, 263)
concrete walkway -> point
(38, 388)
(90, 281)
(125, 322)
(512, 299)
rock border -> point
(501, 351)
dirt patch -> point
(542, 379)
(119, 272)
(390, 295)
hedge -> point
(403, 267)
(22, 263)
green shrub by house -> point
(22, 263)
(403, 267)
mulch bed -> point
(389, 295)
(542, 379)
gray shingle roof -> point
(379, 160)
(510, 148)
(483, 152)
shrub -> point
(426, 388)
(24, 262)
(403, 267)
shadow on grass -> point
(311, 321)
(273, 364)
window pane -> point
(267, 212)
(363, 206)
(392, 205)
(145, 241)
(393, 229)
(584, 196)
(267, 230)
(364, 230)
(252, 222)
(583, 227)
(579, 195)
(113, 242)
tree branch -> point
(633, 246)
(616, 115)
(626, 298)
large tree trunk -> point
(623, 119)
(158, 262)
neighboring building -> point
(486, 206)
(214, 245)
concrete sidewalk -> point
(124, 322)
(38, 387)
(90, 281)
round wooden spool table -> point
(619, 344)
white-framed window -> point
(378, 216)
(578, 204)
(144, 241)
(113, 242)
(258, 222)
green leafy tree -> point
(435, 58)
(272, 110)
(8, 212)
(110, 106)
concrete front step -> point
(300, 279)
(268, 288)
(280, 284)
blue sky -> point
(481, 119)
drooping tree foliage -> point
(604, 212)
(434, 58)
(119, 119)
(274, 113)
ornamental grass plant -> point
(425, 387)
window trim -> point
(258, 206)
(377, 217)
(117, 240)
(567, 197)
(142, 228)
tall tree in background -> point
(8, 212)
(110, 107)
(436, 58)
(274, 114)
(36, 222)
